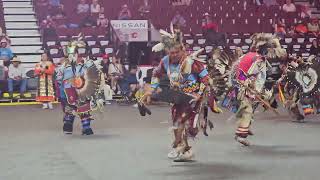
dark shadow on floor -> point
(210, 171)
(279, 151)
(94, 136)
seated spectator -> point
(88, 21)
(313, 27)
(280, 29)
(4, 37)
(95, 8)
(129, 82)
(238, 52)
(179, 20)
(17, 76)
(144, 9)
(54, 3)
(269, 3)
(305, 11)
(210, 32)
(258, 2)
(291, 31)
(82, 7)
(289, 7)
(315, 48)
(102, 21)
(53, 6)
(301, 28)
(5, 52)
(181, 2)
(59, 13)
(3, 77)
(315, 3)
(48, 27)
(42, 3)
(208, 24)
(125, 13)
(115, 71)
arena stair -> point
(22, 28)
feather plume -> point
(158, 47)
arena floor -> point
(128, 147)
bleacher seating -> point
(232, 16)
(2, 24)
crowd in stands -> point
(56, 14)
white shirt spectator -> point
(95, 8)
(82, 8)
(289, 7)
(16, 71)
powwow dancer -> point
(188, 80)
(78, 84)
(248, 77)
(300, 86)
(45, 70)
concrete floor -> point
(128, 147)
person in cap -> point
(125, 13)
(5, 52)
(17, 77)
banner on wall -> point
(131, 30)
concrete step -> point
(16, 1)
(28, 11)
(30, 58)
(21, 25)
(26, 41)
(23, 33)
(17, 4)
(15, 10)
(20, 18)
(26, 49)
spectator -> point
(102, 21)
(289, 7)
(129, 83)
(258, 2)
(3, 77)
(95, 8)
(88, 21)
(315, 48)
(5, 52)
(208, 24)
(301, 28)
(17, 76)
(59, 13)
(178, 20)
(305, 11)
(42, 3)
(313, 27)
(4, 37)
(53, 6)
(83, 7)
(45, 70)
(315, 3)
(280, 29)
(125, 13)
(115, 71)
(210, 32)
(48, 27)
(181, 2)
(144, 9)
(238, 52)
(54, 3)
(269, 3)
